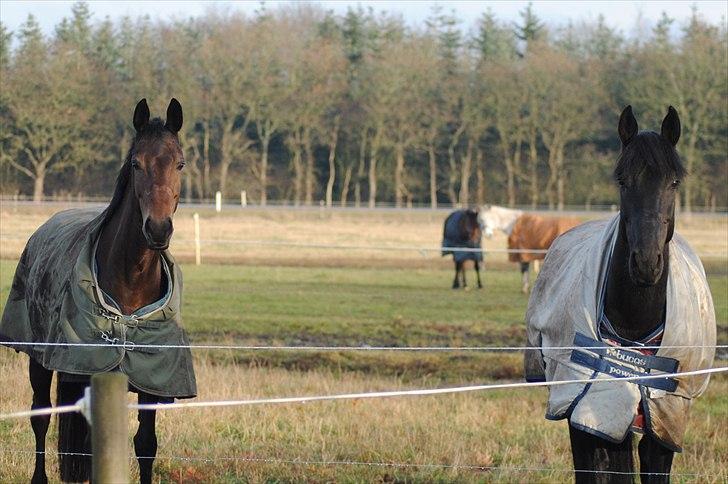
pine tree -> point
(530, 29)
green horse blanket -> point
(55, 298)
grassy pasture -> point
(287, 296)
(495, 429)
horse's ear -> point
(627, 126)
(174, 116)
(141, 115)
(671, 126)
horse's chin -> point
(156, 245)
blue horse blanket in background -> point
(456, 234)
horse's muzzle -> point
(158, 233)
(645, 269)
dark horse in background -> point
(463, 230)
(131, 269)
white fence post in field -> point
(198, 256)
(243, 198)
(218, 202)
(109, 427)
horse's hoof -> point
(480, 286)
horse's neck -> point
(128, 270)
(634, 311)
(508, 227)
(508, 220)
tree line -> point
(298, 104)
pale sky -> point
(620, 14)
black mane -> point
(155, 129)
(649, 151)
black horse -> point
(463, 230)
(648, 173)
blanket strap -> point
(619, 371)
(631, 357)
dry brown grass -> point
(418, 228)
(498, 429)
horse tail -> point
(73, 437)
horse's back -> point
(61, 231)
(536, 232)
(46, 265)
(455, 235)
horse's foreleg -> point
(458, 268)
(74, 446)
(599, 461)
(462, 273)
(655, 461)
(145, 440)
(477, 273)
(40, 381)
(524, 277)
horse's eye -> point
(135, 164)
(180, 166)
(675, 184)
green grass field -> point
(357, 307)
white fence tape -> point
(385, 394)
(406, 393)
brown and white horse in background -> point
(525, 231)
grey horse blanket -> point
(55, 298)
(455, 235)
(566, 309)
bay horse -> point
(525, 231)
(462, 229)
(608, 288)
(105, 276)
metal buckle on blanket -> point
(106, 337)
(108, 315)
(131, 321)
(126, 345)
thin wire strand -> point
(265, 460)
(352, 247)
(128, 347)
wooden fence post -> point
(198, 255)
(109, 427)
